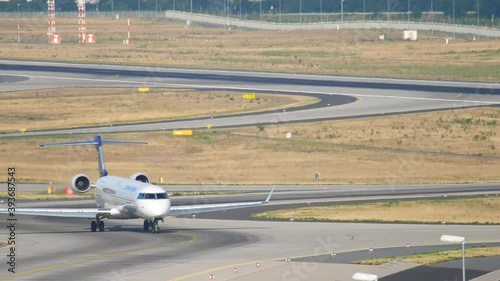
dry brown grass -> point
(251, 156)
(437, 257)
(73, 107)
(345, 52)
(477, 210)
(464, 131)
(29, 195)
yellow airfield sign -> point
(249, 96)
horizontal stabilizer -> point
(97, 142)
(92, 142)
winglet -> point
(269, 196)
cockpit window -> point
(152, 196)
(161, 195)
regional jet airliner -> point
(124, 198)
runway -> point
(316, 192)
(191, 249)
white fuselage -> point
(130, 199)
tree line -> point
(462, 8)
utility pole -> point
(408, 10)
(260, 10)
(388, 11)
(364, 10)
(321, 10)
(453, 18)
(477, 13)
(342, 11)
(478, 17)
(300, 11)
(280, 11)
(432, 16)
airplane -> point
(124, 198)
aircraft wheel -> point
(93, 226)
(101, 226)
(156, 229)
(146, 225)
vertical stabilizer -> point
(97, 143)
(100, 157)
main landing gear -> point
(98, 223)
(154, 225)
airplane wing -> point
(195, 209)
(66, 212)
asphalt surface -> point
(188, 248)
(226, 221)
(247, 79)
(375, 96)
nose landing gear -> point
(98, 223)
(154, 225)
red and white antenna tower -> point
(51, 11)
(127, 41)
(83, 36)
(82, 28)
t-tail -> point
(97, 143)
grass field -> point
(467, 211)
(437, 147)
(70, 107)
(444, 146)
(437, 257)
(345, 52)
(59, 194)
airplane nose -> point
(155, 208)
(161, 207)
